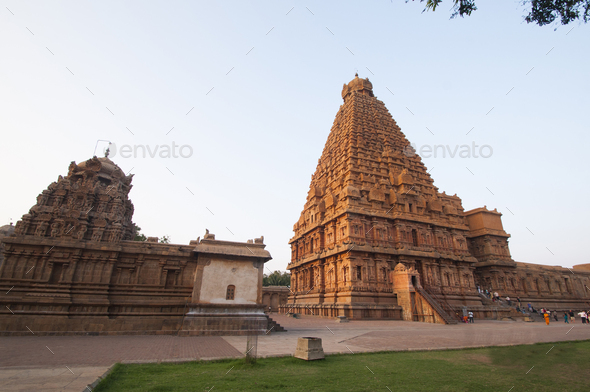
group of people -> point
(467, 316)
(545, 313)
(567, 316)
(495, 297)
(584, 315)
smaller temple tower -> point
(90, 203)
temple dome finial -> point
(358, 84)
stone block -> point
(309, 349)
(341, 319)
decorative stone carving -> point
(83, 196)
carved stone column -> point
(322, 287)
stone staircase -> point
(501, 304)
(485, 299)
(437, 306)
(273, 326)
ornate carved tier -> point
(90, 203)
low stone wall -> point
(19, 325)
(351, 311)
(213, 319)
(274, 296)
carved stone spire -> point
(90, 203)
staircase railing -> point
(445, 305)
(437, 306)
(485, 299)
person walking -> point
(566, 318)
(583, 316)
(471, 317)
(572, 317)
(530, 308)
(508, 300)
(546, 316)
(555, 315)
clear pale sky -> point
(261, 84)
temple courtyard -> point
(70, 363)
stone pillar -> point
(322, 287)
(110, 270)
(25, 265)
(335, 269)
(71, 270)
(15, 260)
(333, 230)
(294, 275)
(45, 272)
(7, 258)
(138, 265)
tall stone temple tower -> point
(372, 206)
(376, 239)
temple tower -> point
(90, 203)
(371, 206)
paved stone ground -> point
(106, 350)
(49, 379)
(366, 336)
(26, 363)
(41, 363)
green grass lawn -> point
(566, 367)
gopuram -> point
(70, 266)
(376, 239)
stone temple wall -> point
(550, 287)
(128, 287)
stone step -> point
(274, 326)
(437, 306)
